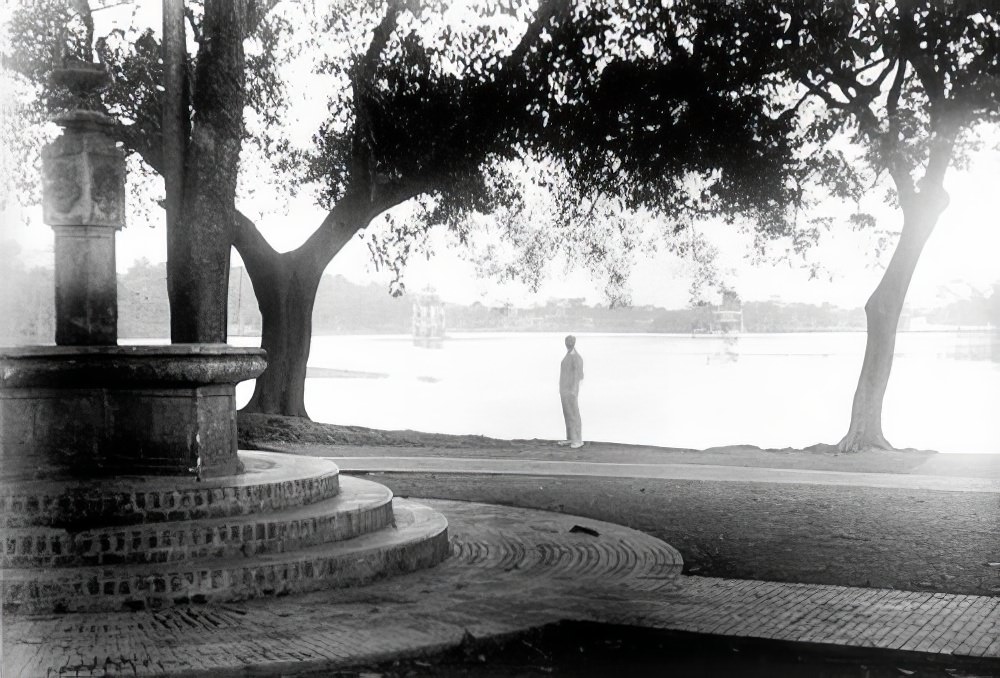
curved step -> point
(271, 482)
(418, 539)
(361, 507)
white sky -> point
(960, 256)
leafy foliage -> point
(626, 102)
(898, 77)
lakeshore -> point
(666, 390)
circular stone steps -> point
(288, 524)
(418, 539)
(270, 482)
(361, 507)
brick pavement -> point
(511, 570)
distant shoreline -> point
(939, 329)
(331, 373)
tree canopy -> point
(630, 104)
(621, 111)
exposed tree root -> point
(862, 441)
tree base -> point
(284, 410)
(863, 441)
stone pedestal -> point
(79, 412)
(83, 196)
(86, 286)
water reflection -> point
(973, 346)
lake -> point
(770, 390)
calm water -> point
(771, 390)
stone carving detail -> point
(108, 190)
(84, 182)
(62, 186)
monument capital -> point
(83, 178)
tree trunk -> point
(174, 120)
(286, 286)
(920, 215)
(198, 244)
(286, 296)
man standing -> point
(570, 376)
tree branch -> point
(361, 82)
(256, 11)
(256, 252)
(866, 67)
(941, 148)
(889, 141)
(790, 111)
(366, 197)
(896, 92)
(909, 48)
(142, 141)
(547, 11)
(352, 213)
(380, 38)
(874, 88)
(818, 90)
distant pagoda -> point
(728, 318)
(428, 320)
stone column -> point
(83, 199)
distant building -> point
(428, 320)
(729, 316)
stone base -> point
(72, 412)
(269, 482)
(287, 525)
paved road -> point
(663, 471)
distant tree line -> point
(758, 316)
(27, 300)
(343, 307)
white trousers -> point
(571, 413)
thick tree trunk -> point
(198, 243)
(285, 295)
(286, 286)
(920, 215)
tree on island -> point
(425, 110)
(911, 81)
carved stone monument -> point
(121, 487)
(87, 407)
(83, 199)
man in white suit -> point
(570, 376)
